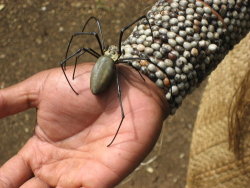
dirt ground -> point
(33, 37)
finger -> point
(21, 96)
(14, 172)
(34, 182)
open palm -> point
(69, 147)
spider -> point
(105, 67)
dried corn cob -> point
(190, 38)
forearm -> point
(190, 38)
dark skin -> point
(69, 145)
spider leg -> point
(77, 57)
(124, 60)
(129, 60)
(120, 102)
(127, 27)
(99, 28)
(63, 63)
(84, 27)
(140, 58)
(85, 33)
(91, 51)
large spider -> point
(105, 66)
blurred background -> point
(34, 37)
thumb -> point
(21, 96)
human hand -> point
(69, 146)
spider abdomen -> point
(102, 74)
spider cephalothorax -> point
(112, 52)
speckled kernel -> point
(144, 63)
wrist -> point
(145, 84)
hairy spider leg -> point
(139, 58)
(119, 93)
(124, 60)
(84, 33)
(128, 60)
(127, 27)
(65, 61)
(99, 28)
(120, 61)
(101, 38)
(147, 58)
(77, 57)
(99, 31)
